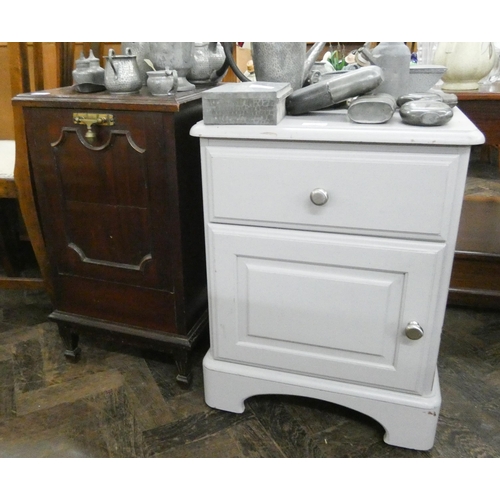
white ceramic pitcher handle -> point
(489, 46)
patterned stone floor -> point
(122, 402)
(484, 173)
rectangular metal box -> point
(246, 103)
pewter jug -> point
(394, 59)
(121, 73)
(279, 62)
(287, 62)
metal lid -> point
(271, 90)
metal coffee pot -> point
(121, 73)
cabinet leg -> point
(183, 363)
(72, 351)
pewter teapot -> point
(209, 63)
(279, 61)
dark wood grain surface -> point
(475, 279)
(482, 106)
(120, 215)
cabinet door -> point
(326, 305)
(107, 209)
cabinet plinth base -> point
(72, 325)
(410, 421)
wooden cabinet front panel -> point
(105, 208)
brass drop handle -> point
(414, 331)
(90, 119)
(319, 196)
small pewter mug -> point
(121, 73)
(163, 82)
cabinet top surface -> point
(68, 97)
(335, 126)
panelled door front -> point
(96, 197)
(326, 305)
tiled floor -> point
(484, 173)
(121, 402)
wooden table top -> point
(485, 92)
(482, 106)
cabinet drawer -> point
(369, 192)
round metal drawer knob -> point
(319, 196)
(414, 331)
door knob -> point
(319, 196)
(414, 331)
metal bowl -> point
(424, 76)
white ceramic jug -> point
(467, 63)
